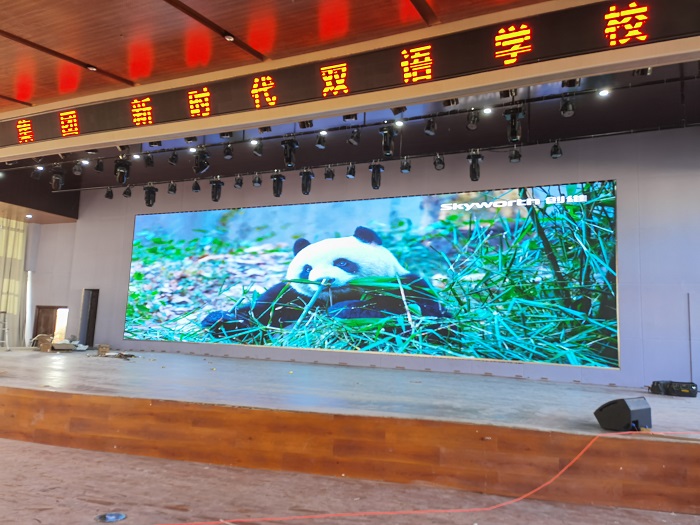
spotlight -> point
(228, 151)
(567, 108)
(289, 147)
(556, 151)
(136, 156)
(99, 166)
(192, 149)
(306, 124)
(473, 119)
(430, 127)
(514, 116)
(195, 186)
(515, 156)
(228, 37)
(571, 83)
(77, 169)
(450, 102)
(277, 183)
(201, 161)
(508, 93)
(216, 184)
(264, 129)
(148, 160)
(405, 165)
(226, 135)
(172, 188)
(321, 140)
(257, 181)
(56, 180)
(388, 133)
(350, 117)
(172, 160)
(643, 72)
(306, 177)
(354, 137)
(398, 110)
(127, 192)
(399, 123)
(329, 173)
(84, 162)
(488, 111)
(155, 144)
(474, 159)
(37, 173)
(376, 170)
(190, 140)
(109, 194)
(350, 172)
(149, 194)
(603, 92)
(122, 149)
(258, 149)
(121, 169)
(439, 162)
(238, 182)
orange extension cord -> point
(431, 511)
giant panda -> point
(333, 264)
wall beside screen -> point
(638, 285)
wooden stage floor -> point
(478, 433)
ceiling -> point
(139, 43)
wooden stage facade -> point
(476, 433)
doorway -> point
(50, 320)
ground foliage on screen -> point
(529, 284)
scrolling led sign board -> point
(577, 31)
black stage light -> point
(226, 135)
(571, 83)
(388, 133)
(201, 161)
(430, 127)
(190, 140)
(99, 166)
(450, 102)
(556, 151)
(289, 147)
(37, 172)
(306, 177)
(149, 194)
(56, 180)
(350, 117)
(148, 160)
(257, 181)
(155, 144)
(258, 147)
(439, 162)
(109, 194)
(508, 93)
(228, 151)
(196, 188)
(321, 140)
(172, 160)
(238, 182)
(306, 124)
(277, 183)
(474, 159)
(329, 173)
(376, 178)
(354, 139)
(127, 192)
(77, 169)
(172, 188)
(264, 129)
(513, 116)
(121, 169)
(643, 72)
(405, 165)
(350, 172)
(398, 110)
(216, 184)
(567, 109)
(515, 156)
(473, 119)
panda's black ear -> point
(300, 244)
(367, 236)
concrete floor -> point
(43, 485)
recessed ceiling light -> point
(29, 216)
(604, 92)
(487, 111)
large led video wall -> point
(520, 274)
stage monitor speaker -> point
(622, 415)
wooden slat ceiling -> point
(43, 50)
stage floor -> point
(537, 405)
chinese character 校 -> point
(623, 26)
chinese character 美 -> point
(25, 132)
(69, 123)
(263, 85)
(141, 111)
(334, 78)
(417, 64)
(511, 42)
(627, 24)
(199, 103)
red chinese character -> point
(25, 132)
(141, 111)
(334, 78)
(417, 64)
(69, 123)
(199, 103)
(262, 85)
(625, 25)
(511, 42)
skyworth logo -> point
(469, 206)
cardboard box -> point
(44, 347)
(64, 347)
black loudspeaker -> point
(622, 415)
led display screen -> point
(522, 275)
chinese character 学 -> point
(141, 111)
(262, 86)
(334, 79)
(623, 26)
(25, 132)
(199, 103)
(69, 123)
(511, 42)
(417, 64)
